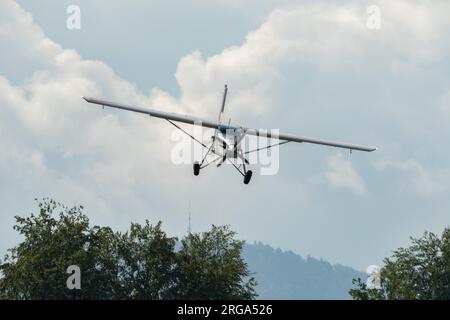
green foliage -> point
(52, 244)
(146, 259)
(210, 267)
(141, 263)
(421, 271)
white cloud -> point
(53, 143)
(341, 174)
(423, 181)
(44, 98)
(51, 137)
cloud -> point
(118, 164)
(68, 147)
(423, 181)
(341, 174)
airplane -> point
(225, 144)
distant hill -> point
(286, 275)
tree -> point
(210, 266)
(421, 271)
(141, 263)
(146, 259)
(36, 268)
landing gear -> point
(196, 168)
(248, 176)
(234, 153)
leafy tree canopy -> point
(141, 263)
(421, 271)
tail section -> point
(223, 104)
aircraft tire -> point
(248, 176)
(196, 168)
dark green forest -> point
(287, 275)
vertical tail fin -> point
(223, 103)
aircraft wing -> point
(216, 125)
(300, 139)
(156, 113)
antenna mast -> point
(189, 220)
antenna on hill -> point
(189, 220)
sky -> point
(314, 68)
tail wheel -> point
(196, 168)
(248, 176)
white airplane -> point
(225, 144)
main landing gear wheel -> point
(248, 176)
(196, 168)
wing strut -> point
(238, 168)
(209, 149)
(184, 131)
(268, 147)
